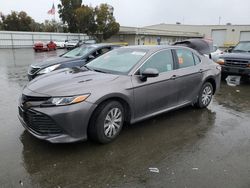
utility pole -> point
(219, 19)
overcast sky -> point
(149, 12)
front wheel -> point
(106, 122)
(205, 95)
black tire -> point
(207, 92)
(102, 130)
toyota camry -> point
(128, 84)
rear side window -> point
(162, 61)
(197, 59)
(105, 50)
(185, 58)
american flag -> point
(52, 10)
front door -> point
(158, 93)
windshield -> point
(121, 60)
(78, 52)
(242, 47)
(73, 41)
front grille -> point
(39, 123)
(26, 98)
(33, 70)
(236, 63)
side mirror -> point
(149, 73)
(90, 57)
(230, 49)
(210, 56)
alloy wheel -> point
(206, 95)
(112, 122)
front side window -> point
(185, 58)
(215, 48)
(162, 61)
(78, 52)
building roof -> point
(156, 32)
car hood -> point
(57, 42)
(244, 56)
(68, 82)
(53, 61)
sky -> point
(140, 13)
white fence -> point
(14, 39)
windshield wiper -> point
(86, 67)
(97, 70)
(92, 69)
(240, 51)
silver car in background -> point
(128, 84)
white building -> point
(150, 36)
(222, 35)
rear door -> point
(188, 75)
(158, 93)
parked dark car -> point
(76, 57)
(128, 84)
(44, 46)
(237, 62)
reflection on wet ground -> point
(190, 147)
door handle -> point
(173, 77)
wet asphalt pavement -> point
(191, 148)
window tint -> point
(162, 61)
(197, 59)
(185, 58)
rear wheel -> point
(106, 122)
(205, 95)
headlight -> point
(60, 101)
(48, 69)
(220, 61)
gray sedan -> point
(128, 84)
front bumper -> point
(71, 121)
(235, 70)
(40, 48)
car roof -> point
(148, 47)
(98, 45)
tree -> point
(85, 17)
(98, 21)
(106, 23)
(36, 27)
(17, 21)
(67, 12)
(50, 26)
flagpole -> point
(55, 11)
